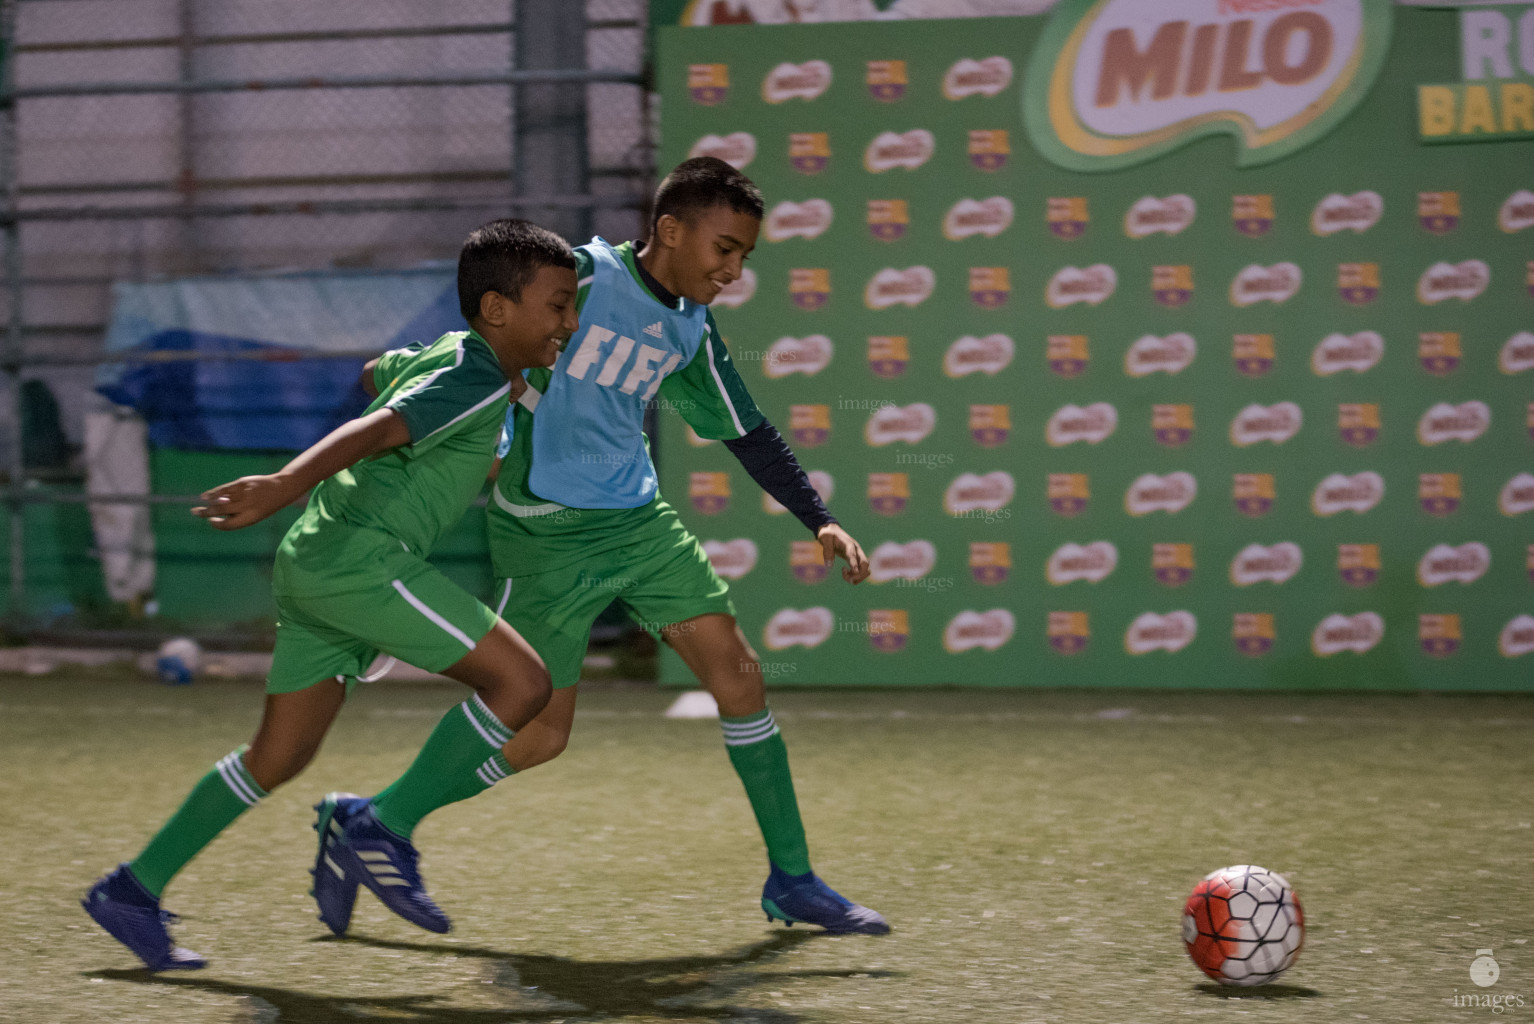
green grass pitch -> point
(1031, 849)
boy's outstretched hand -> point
(245, 501)
(836, 541)
(250, 499)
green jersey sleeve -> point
(709, 393)
(583, 275)
(436, 400)
(392, 363)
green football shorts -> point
(660, 576)
(412, 612)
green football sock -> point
(219, 797)
(760, 758)
(461, 758)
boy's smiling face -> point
(546, 315)
(531, 331)
(709, 249)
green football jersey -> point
(529, 533)
(452, 395)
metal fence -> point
(150, 138)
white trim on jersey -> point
(529, 399)
(420, 606)
(708, 344)
(500, 392)
(505, 596)
(433, 375)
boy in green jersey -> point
(576, 519)
(351, 580)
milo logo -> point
(736, 149)
(731, 559)
(1115, 83)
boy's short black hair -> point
(504, 256)
(702, 183)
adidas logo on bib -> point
(655, 330)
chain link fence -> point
(142, 139)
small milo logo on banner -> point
(1114, 83)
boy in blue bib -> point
(576, 519)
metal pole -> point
(186, 108)
(15, 511)
(550, 146)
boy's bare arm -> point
(366, 380)
(251, 499)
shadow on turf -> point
(1258, 991)
(548, 988)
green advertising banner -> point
(1139, 344)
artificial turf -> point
(1031, 848)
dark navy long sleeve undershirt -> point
(774, 467)
(767, 458)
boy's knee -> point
(548, 747)
(536, 744)
(271, 769)
(539, 685)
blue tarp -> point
(268, 403)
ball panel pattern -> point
(1243, 925)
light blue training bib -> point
(589, 448)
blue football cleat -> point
(807, 900)
(369, 853)
(132, 915)
(334, 890)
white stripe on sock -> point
(492, 721)
(492, 738)
(229, 768)
(420, 606)
(738, 734)
(739, 728)
(490, 773)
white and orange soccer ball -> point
(1243, 925)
